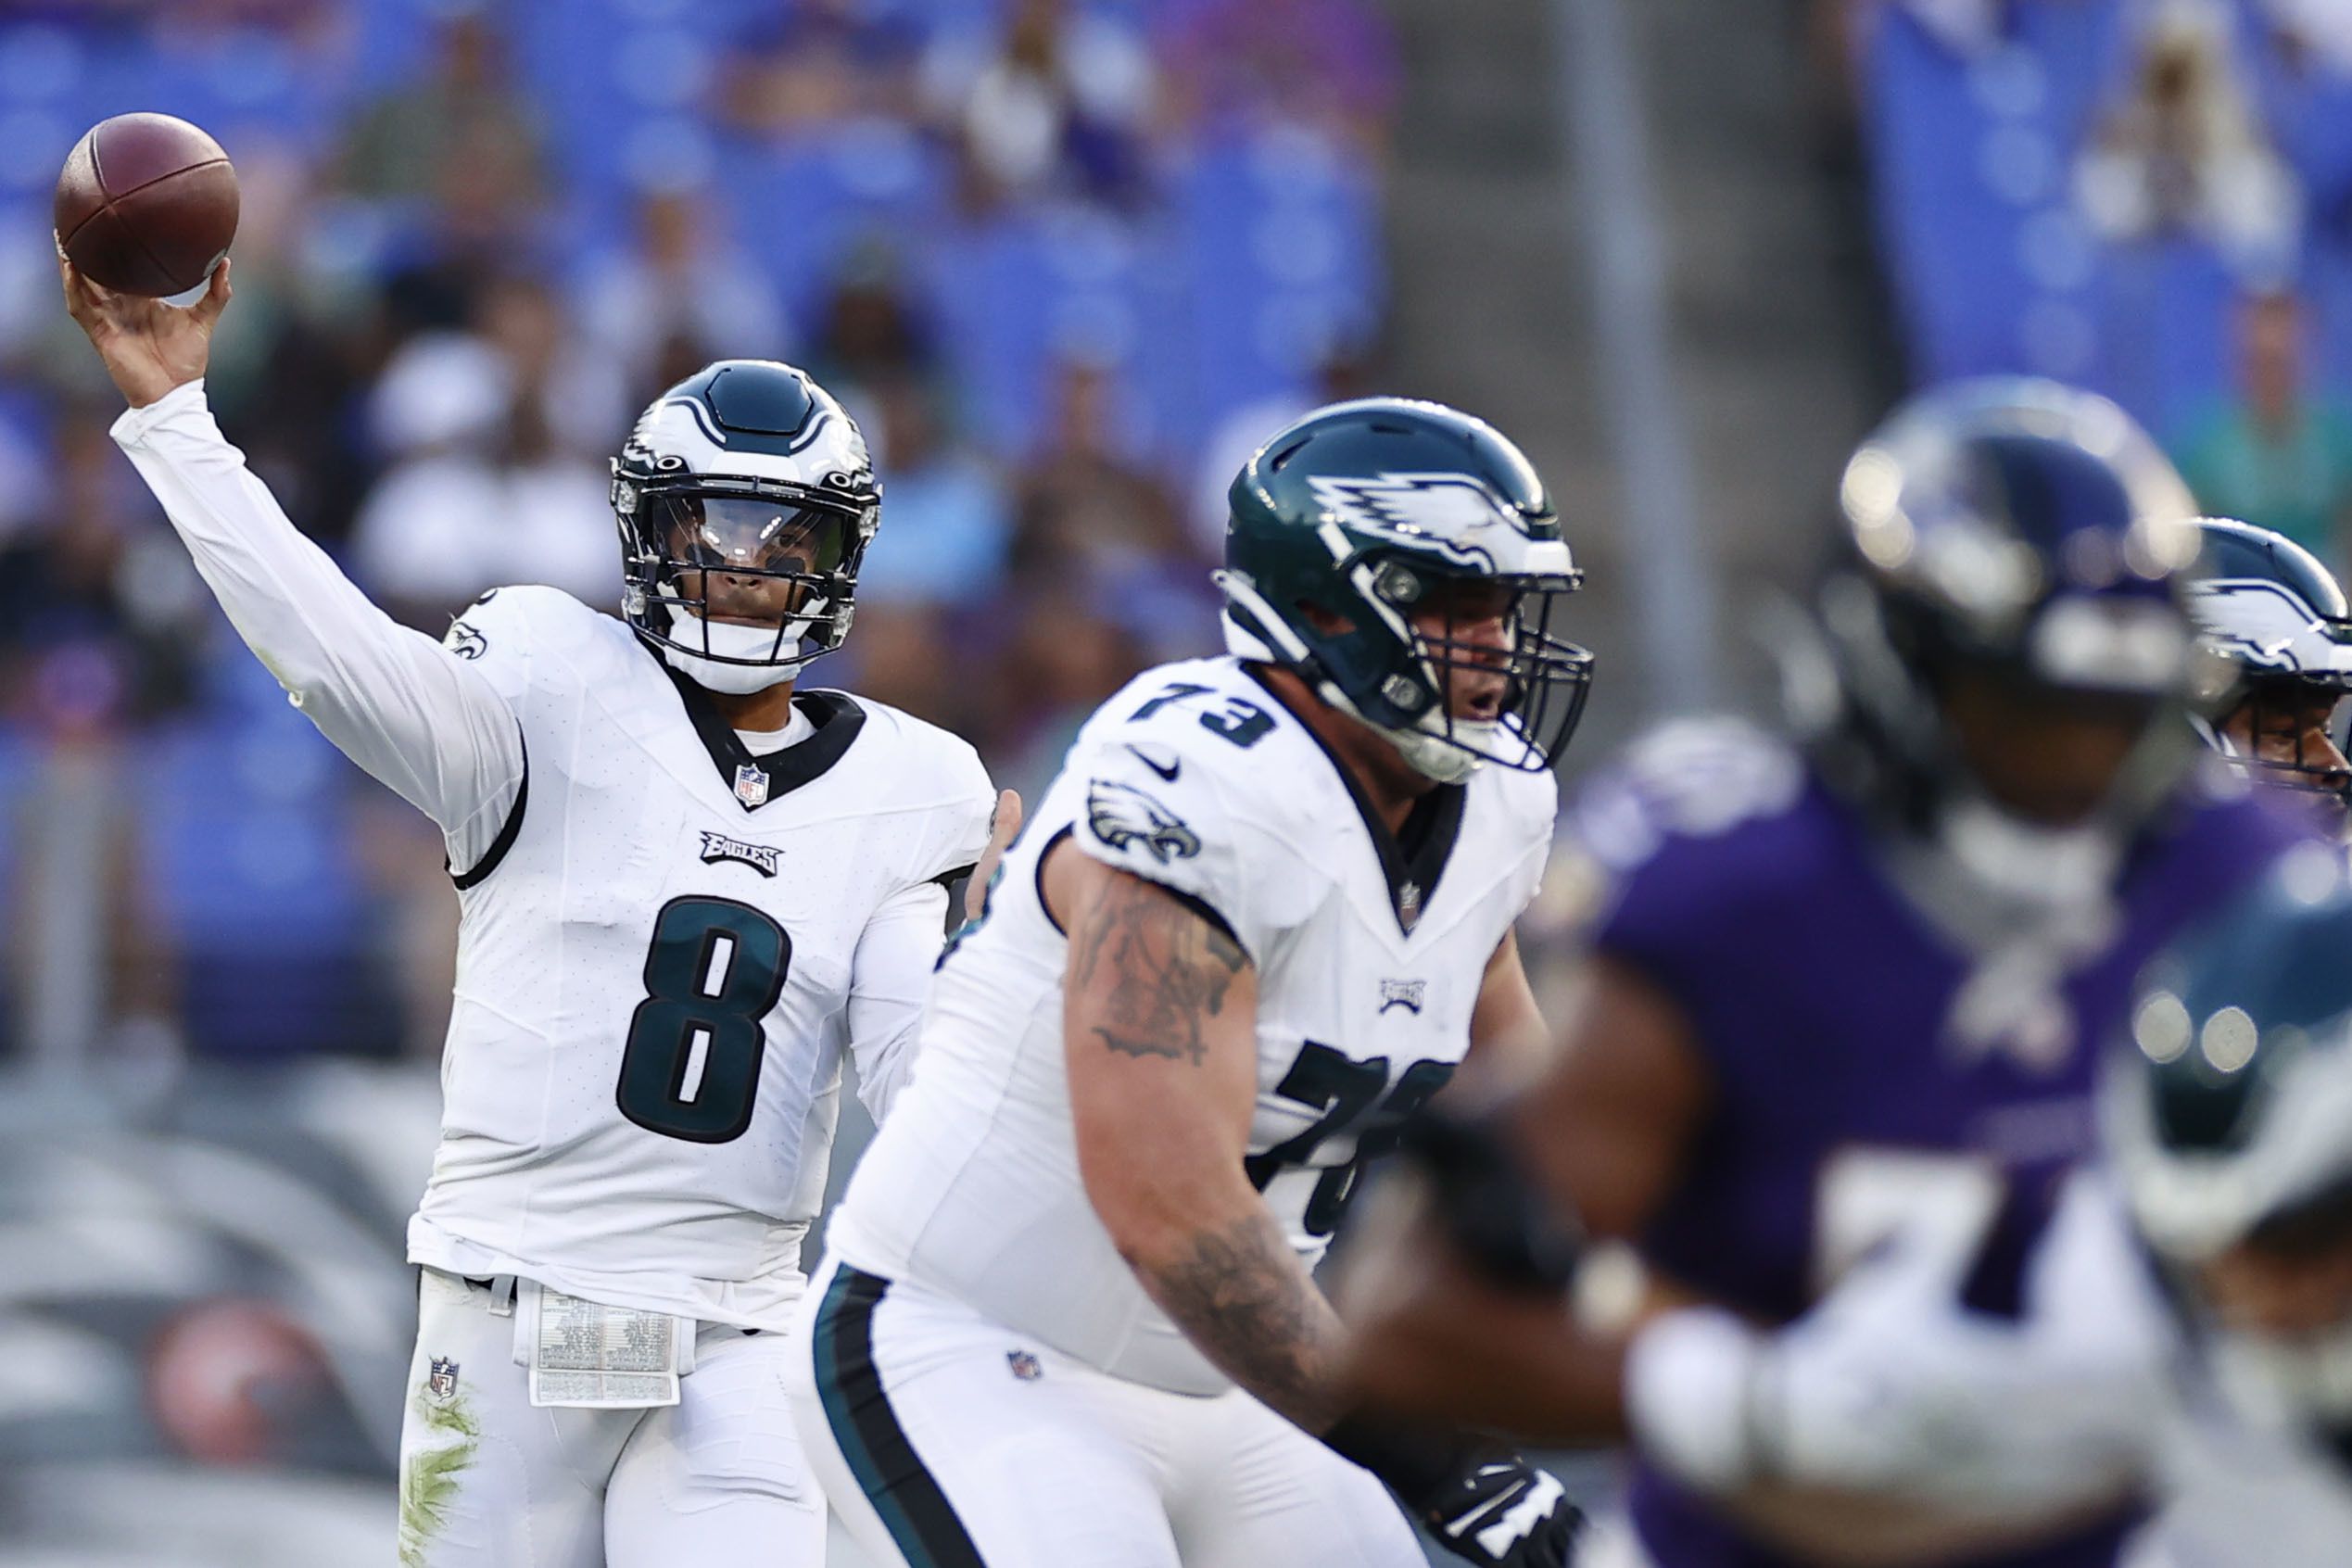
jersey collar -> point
(756, 780)
(1412, 860)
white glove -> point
(1890, 1386)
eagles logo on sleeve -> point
(465, 641)
(1121, 814)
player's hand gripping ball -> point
(146, 204)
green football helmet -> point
(1351, 517)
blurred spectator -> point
(92, 975)
(1059, 104)
(682, 294)
(2324, 27)
(463, 139)
(870, 333)
(1084, 508)
(1331, 64)
(943, 511)
(2280, 455)
(1067, 656)
(812, 62)
(575, 398)
(101, 615)
(1344, 373)
(904, 654)
(483, 492)
(2184, 155)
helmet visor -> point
(750, 534)
(777, 566)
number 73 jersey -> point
(1368, 949)
(661, 962)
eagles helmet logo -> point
(1440, 512)
(1121, 814)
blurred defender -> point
(2185, 1323)
(685, 890)
(1855, 984)
(1067, 1320)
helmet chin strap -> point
(730, 643)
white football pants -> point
(487, 1481)
(944, 1440)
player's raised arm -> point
(396, 702)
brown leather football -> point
(147, 204)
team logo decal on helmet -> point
(1443, 513)
(745, 500)
(1351, 523)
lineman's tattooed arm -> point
(1245, 1299)
(1160, 969)
(1159, 1035)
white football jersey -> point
(655, 966)
(1369, 955)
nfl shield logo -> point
(750, 785)
(442, 1381)
(1024, 1365)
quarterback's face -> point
(1471, 629)
(746, 558)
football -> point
(146, 204)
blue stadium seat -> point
(1971, 159)
(249, 856)
(1281, 243)
(802, 206)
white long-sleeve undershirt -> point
(393, 701)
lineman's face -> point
(2051, 758)
(1471, 629)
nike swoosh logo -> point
(1166, 770)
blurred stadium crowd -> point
(1064, 259)
(2151, 198)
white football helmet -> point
(749, 472)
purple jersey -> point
(1868, 1061)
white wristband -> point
(1687, 1380)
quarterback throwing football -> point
(1067, 1317)
(685, 889)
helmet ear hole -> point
(1330, 623)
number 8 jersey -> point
(663, 956)
(1370, 949)
(666, 941)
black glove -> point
(1486, 1204)
(1484, 1503)
(1504, 1512)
